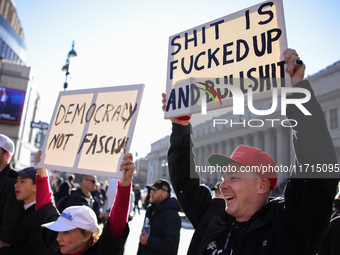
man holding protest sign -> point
(247, 221)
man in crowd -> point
(165, 223)
(66, 187)
(246, 221)
(10, 207)
(137, 197)
(82, 195)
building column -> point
(270, 142)
(248, 140)
(238, 141)
(282, 150)
(222, 148)
(230, 147)
(259, 140)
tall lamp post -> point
(65, 68)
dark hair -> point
(71, 177)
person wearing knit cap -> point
(247, 221)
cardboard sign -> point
(91, 129)
(244, 49)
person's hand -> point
(42, 172)
(129, 167)
(144, 238)
(2, 244)
(38, 157)
(185, 120)
(296, 72)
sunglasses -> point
(93, 181)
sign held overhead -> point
(243, 49)
(91, 129)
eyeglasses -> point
(93, 181)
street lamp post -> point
(66, 67)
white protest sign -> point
(243, 49)
(91, 129)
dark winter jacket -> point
(25, 240)
(165, 226)
(10, 207)
(330, 242)
(292, 225)
(106, 245)
(76, 197)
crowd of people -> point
(240, 217)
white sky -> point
(126, 42)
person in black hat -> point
(164, 221)
(9, 206)
(25, 240)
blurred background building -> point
(18, 99)
(141, 172)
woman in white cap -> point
(75, 231)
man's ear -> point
(165, 194)
(264, 186)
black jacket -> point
(106, 245)
(10, 207)
(76, 197)
(330, 242)
(25, 240)
(165, 226)
(292, 225)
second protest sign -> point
(91, 129)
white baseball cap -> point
(7, 144)
(72, 217)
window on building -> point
(1, 45)
(4, 50)
(8, 54)
(334, 118)
(12, 55)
